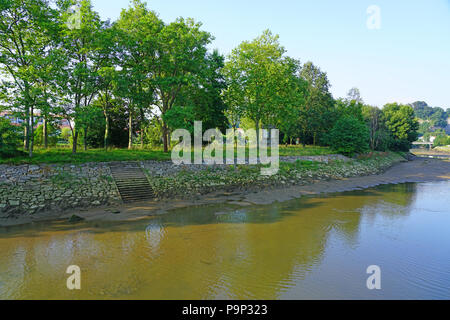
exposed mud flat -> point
(419, 170)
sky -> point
(406, 59)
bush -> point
(52, 135)
(441, 140)
(349, 136)
(399, 144)
(153, 134)
(10, 139)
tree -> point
(354, 95)
(180, 118)
(27, 28)
(179, 60)
(137, 35)
(107, 77)
(436, 116)
(46, 135)
(89, 118)
(255, 72)
(291, 93)
(349, 136)
(439, 118)
(377, 133)
(204, 98)
(422, 110)
(402, 125)
(78, 81)
(316, 113)
(10, 139)
(351, 108)
(441, 140)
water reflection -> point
(307, 248)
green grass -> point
(64, 155)
(304, 151)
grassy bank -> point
(188, 183)
(64, 155)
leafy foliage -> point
(435, 115)
(10, 139)
(53, 135)
(402, 125)
(135, 80)
(349, 136)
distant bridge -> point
(417, 143)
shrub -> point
(52, 135)
(398, 144)
(10, 139)
(153, 134)
(441, 140)
(349, 136)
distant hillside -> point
(435, 116)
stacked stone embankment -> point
(28, 189)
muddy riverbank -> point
(419, 170)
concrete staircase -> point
(131, 182)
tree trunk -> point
(142, 128)
(45, 133)
(106, 140)
(31, 135)
(130, 131)
(234, 140)
(168, 138)
(257, 137)
(26, 141)
(25, 136)
(85, 138)
(74, 141)
(27, 117)
(164, 129)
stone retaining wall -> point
(28, 189)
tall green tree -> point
(377, 134)
(138, 29)
(81, 42)
(291, 93)
(203, 97)
(316, 114)
(181, 56)
(27, 28)
(401, 122)
(255, 71)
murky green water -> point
(303, 249)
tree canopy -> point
(133, 81)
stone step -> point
(132, 183)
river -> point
(311, 248)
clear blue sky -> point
(407, 59)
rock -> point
(14, 203)
(96, 203)
(75, 218)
